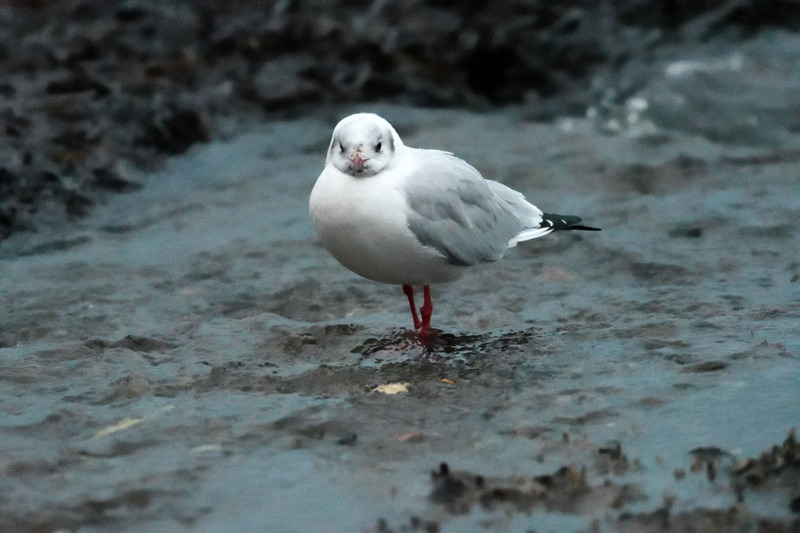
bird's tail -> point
(563, 222)
(549, 224)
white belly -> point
(362, 223)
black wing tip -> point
(564, 222)
(583, 228)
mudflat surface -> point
(189, 358)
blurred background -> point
(88, 87)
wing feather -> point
(466, 218)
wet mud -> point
(188, 358)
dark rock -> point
(77, 205)
(7, 90)
(348, 439)
(706, 366)
(77, 83)
(7, 217)
(447, 490)
(130, 14)
(108, 180)
(176, 132)
(7, 179)
(686, 232)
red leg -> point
(409, 291)
(426, 310)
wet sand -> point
(189, 358)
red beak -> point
(358, 162)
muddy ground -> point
(188, 358)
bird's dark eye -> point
(341, 147)
(378, 147)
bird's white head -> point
(362, 145)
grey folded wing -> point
(466, 218)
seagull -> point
(411, 216)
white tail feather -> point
(528, 234)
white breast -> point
(362, 222)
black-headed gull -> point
(410, 216)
